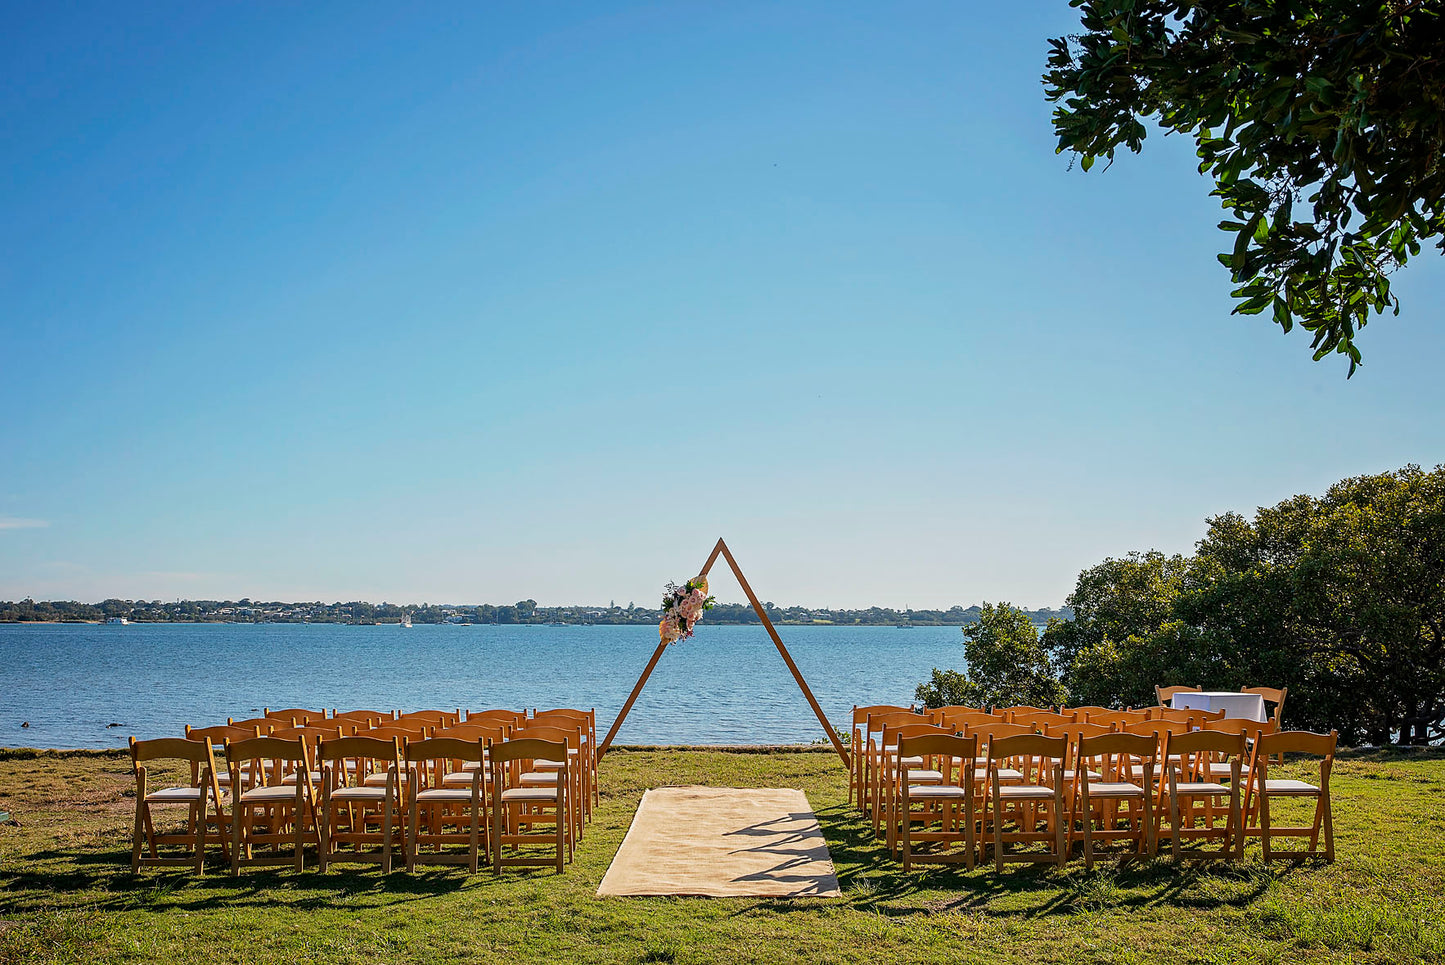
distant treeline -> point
(524, 611)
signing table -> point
(1248, 706)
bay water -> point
(726, 685)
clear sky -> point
(457, 303)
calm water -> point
(725, 685)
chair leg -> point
(1264, 822)
(139, 835)
(1088, 834)
(474, 838)
(1329, 826)
(907, 842)
(411, 828)
(323, 821)
(1174, 821)
(201, 836)
(386, 810)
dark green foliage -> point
(1339, 598)
(1007, 664)
(1322, 123)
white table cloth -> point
(1248, 706)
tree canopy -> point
(1006, 662)
(1322, 123)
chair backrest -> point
(1039, 718)
(1251, 729)
(1114, 755)
(1076, 731)
(508, 718)
(528, 749)
(567, 736)
(1119, 718)
(221, 733)
(1164, 693)
(438, 718)
(566, 717)
(172, 749)
(404, 731)
(476, 731)
(1194, 718)
(1025, 708)
(297, 716)
(1271, 696)
(1027, 745)
(860, 714)
(1299, 742)
(1082, 713)
(1197, 748)
(282, 756)
(893, 733)
(371, 718)
(959, 719)
(263, 725)
(951, 754)
(875, 722)
(989, 731)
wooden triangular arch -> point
(722, 548)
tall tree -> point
(1322, 123)
(1007, 664)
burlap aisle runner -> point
(723, 842)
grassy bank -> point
(67, 895)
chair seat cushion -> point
(1106, 789)
(534, 778)
(917, 775)
(1201, 787)
(444, 794)
(1291, 787)
(1028, 792)
(1093, 775)
(1010, 774)
(378, 779)
(463, 777)
(316, 778)
(935, 791)
(1219, 769)
(275, 793)
(185, 795)
(223, 778)
(530, 794)
(359, 794)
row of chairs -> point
(1064, 782)
(363, 785)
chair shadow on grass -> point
(107, 883)
(871, 879)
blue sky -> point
(460, 303)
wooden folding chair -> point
(261, 813)
(1272, 695)
(1105, 794)
(218, 737)
(1263, 789)
(586, 754)
(1007, 712)
(546, 772)
(857, 771)
(1083, 713)
(874, 751)
(369, 718)
(194, 797)
(1194, 796)
(890, 771)
(947, 802)
(1036, 800)
(453, 815)
(350, 809)
(515, 805)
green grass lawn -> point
(67, 894)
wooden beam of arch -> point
(721, 549)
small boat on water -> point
(118, 621)
(406, 619)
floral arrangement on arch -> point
(682, 607)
